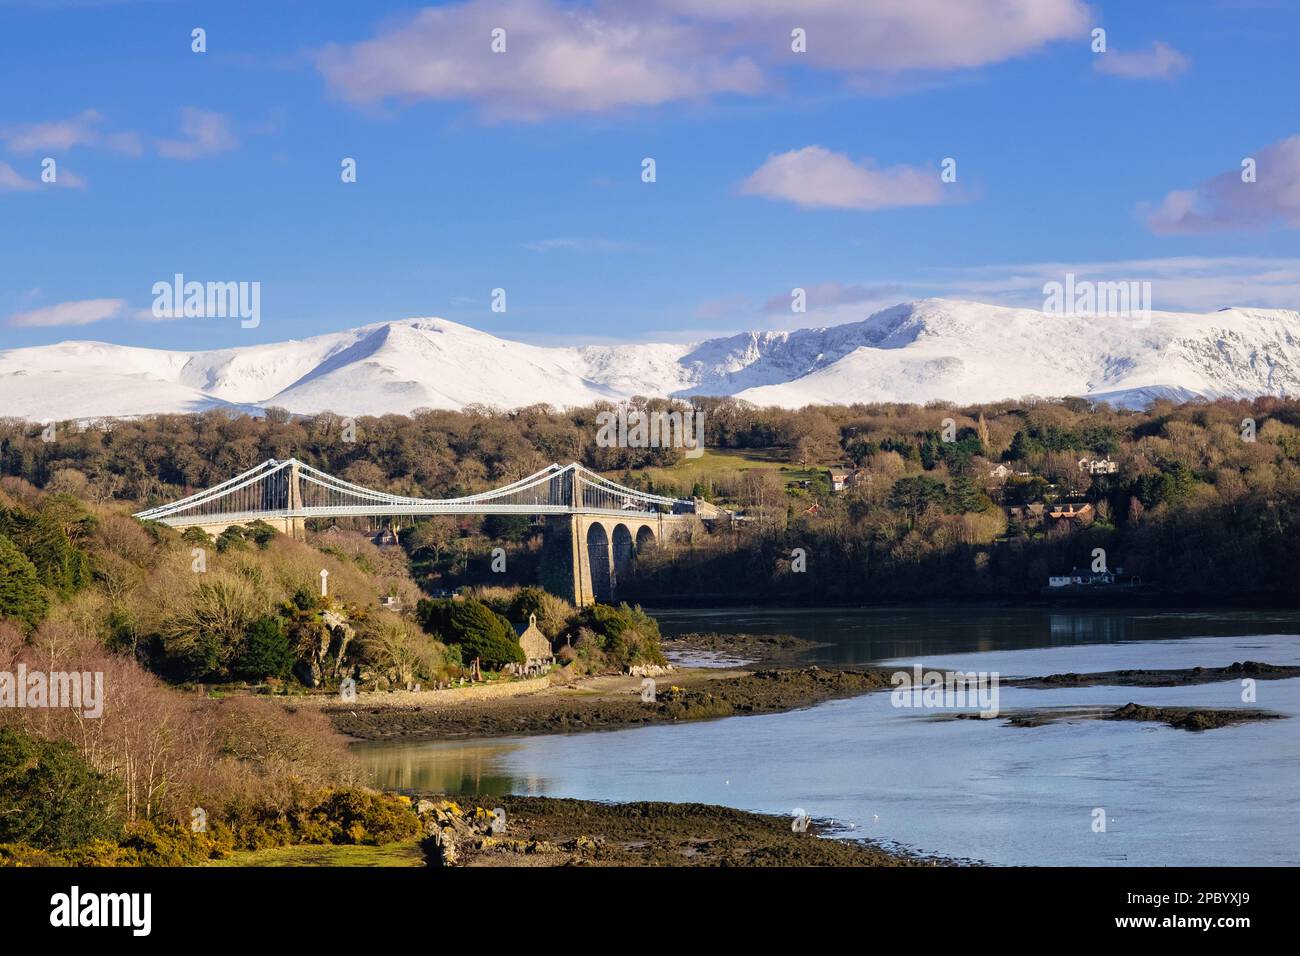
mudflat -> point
(608, 702)
(548, 831)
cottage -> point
(1098, 466)
(1005, 471)
(1030, 512)
(1078, 577)
(1071, 511)
(842, 478)
(706, 510)
(537, 646)
(387, 538)
(1081, 578)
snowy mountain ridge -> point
(913, 352)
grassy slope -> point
(689, 470)
(392, 854)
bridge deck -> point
(293, 490)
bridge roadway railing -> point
(293, 489)
(366, 511)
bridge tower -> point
(294, 525)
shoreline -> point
(561, 831)
(606, 702)
(614, 701)
(1281, 601)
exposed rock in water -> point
(1189, 718)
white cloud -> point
(557, 60)
(13, 181)
(1161, 62)
(886, 36)
(203, 132)
(1225, 202)
(817, 178)
(592, 58)
(61, 135)
(81, 312)
(69, 180)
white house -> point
(1098, 466)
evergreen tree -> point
(50, 797)
(21, 596)
(484, 634)
(267, 652)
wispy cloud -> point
(561, 58)
(576, 244)
(1226, 201)
(817, 178)
(80, 312)
(1178, 283)
(202, 134)
(828, 294)
(1161, 62)
(82, 130)
(725, 308)
(13, 181)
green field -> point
(712, 463)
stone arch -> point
(602, 576)
(645, 539)
(624, 551)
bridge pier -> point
(585, 555)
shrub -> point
(197, 536)
(267, 651)
(260, 533)
(204, 629)
(402, 651)
(627, 635)
(553, 613)
(50, 798)
(230, 539)
(359, 816)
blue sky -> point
(522, 170)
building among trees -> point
(537, 646)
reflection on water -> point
(869, 635)
(963, 788)
(476, 767)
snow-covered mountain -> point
(914, 352)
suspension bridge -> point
(606, 523)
